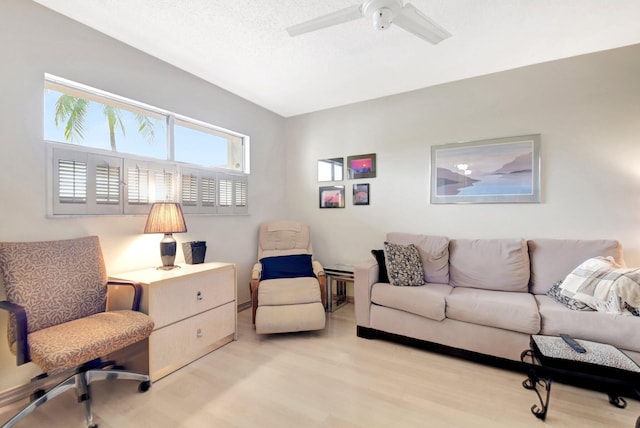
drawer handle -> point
(199, 295)
(199, 333)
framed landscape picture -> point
(362, 166)
(488, 171)
(331, 197)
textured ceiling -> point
(242, 45)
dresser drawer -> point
(178, 344)
(181, 297)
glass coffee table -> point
(602, 367)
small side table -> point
(340, 275)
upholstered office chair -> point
(56, 294)
(287, 286)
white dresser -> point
(194, 310)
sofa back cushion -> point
(553, 259)
(434, 254)
(491, 264)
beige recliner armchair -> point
(287, 285)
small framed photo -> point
(331, 197)
(330, 169)
(361, 194)
(362, 166)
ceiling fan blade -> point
(334, 18)
(415, 22)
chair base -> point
(80, 382)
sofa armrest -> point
(365, 275)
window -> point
(111, 155)
(200, 144)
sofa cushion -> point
(553, 259)
(434, 254)
(491, 264)
(404, 267)
(622, 331)
(500, 309)
(427, 300)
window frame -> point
(95, 157)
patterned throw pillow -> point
(404, 266)
(555, 293)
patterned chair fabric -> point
(62, 286)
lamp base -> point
(168, 267)
(168, 252)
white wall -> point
(587, 110)
(34, 40)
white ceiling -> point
(242, 45)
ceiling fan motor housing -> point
(381, 12)
(382, 19)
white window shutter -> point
(241, 195)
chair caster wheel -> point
(144, 386)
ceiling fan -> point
(382, 13)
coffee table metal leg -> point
(532, 382)
(617, 401)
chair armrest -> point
(137, 292)
(318, 270)
(20, 315)
(365, 275)
(256, 273)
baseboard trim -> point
(244, 306)
(23, 392)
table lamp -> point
(167, 218)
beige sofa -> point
(484, 298)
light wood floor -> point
(330, 379)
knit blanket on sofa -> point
(605, 286)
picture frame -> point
(361, 166)
(500, 170)
(331, 197)
(361, 195)
(331, 169)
